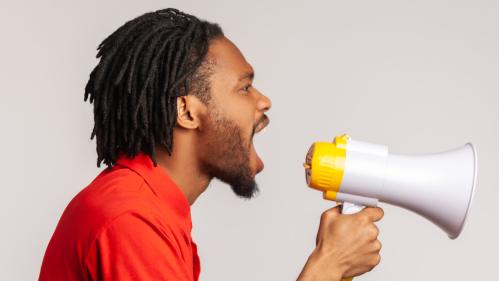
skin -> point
(210, 139)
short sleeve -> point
(134, 247)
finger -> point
(374, 231)
(377, 230)
(373, 213)
(377, 246)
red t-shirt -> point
(131, 223)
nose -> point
(264, 103)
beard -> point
(228, 157)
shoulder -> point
(112, 194)
(117, 210)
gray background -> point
(419, 76)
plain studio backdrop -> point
(418, 76)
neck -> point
(183, 166)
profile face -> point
(236, 112)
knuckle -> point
(374, 261)
(372, 232)
(363, 218)
(326, 216)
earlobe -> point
(187, 112)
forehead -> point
(229, 61)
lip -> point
(262, 124)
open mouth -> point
(260, 125)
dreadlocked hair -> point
(144, 66)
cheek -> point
(242, 113)
(235, 108)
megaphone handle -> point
(348, 209)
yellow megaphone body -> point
(438, 186)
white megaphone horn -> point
(437, 186)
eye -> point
(246, 89)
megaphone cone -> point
(439, 186)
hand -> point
(346, 245)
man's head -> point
(167, 73)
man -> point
(174, 107)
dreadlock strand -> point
(191, 69)
(121, 34)
(137, 59)
(138, 48)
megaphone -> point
(437, 186)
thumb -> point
(336, 209)
(326, 218)
(331, 213)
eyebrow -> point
(248, 75)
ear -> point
(189, 112)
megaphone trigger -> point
(348, 208)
